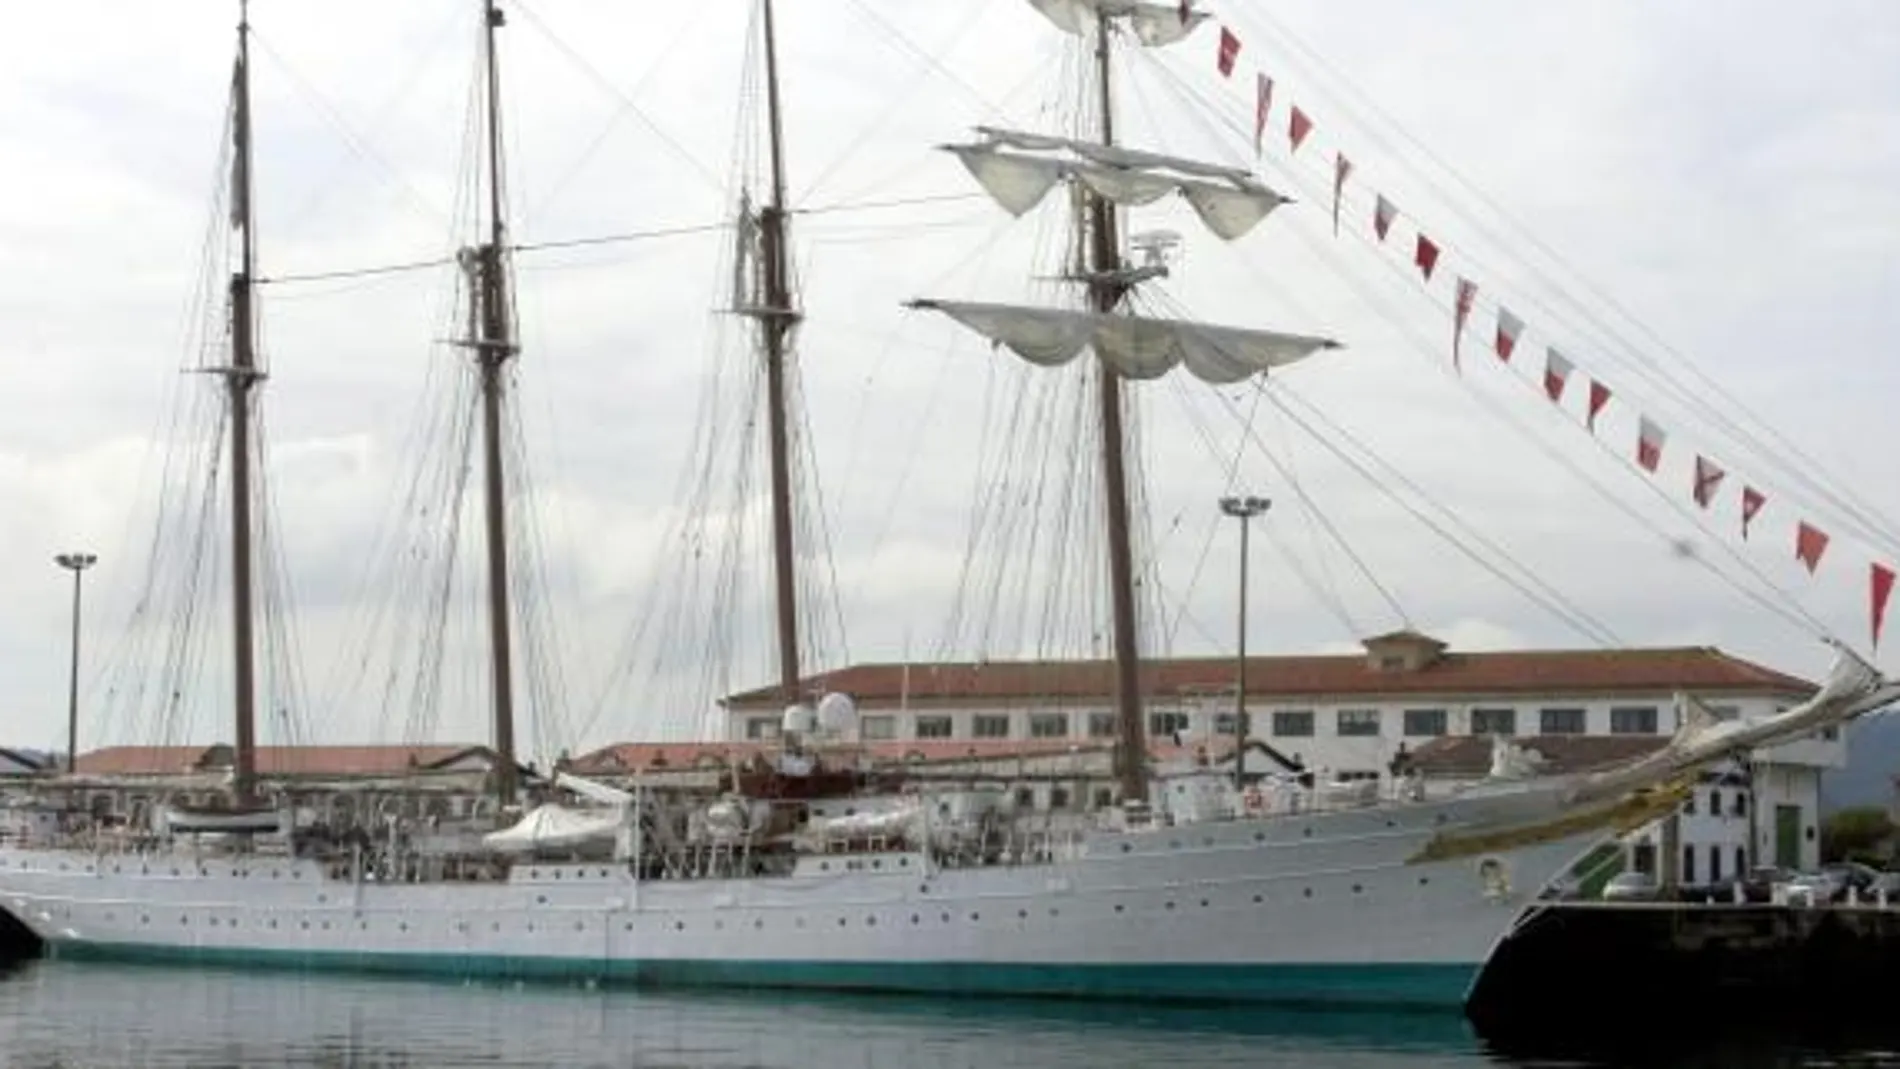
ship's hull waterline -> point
(1334, 908)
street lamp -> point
(1243, 509)
(76, 563)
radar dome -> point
(837, 714)
(799, 720)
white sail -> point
(1019, 182)
(1155, 25)
(1136, 347)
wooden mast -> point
(494, 347)
(776, 318)
(1106, 290)
(239, 379)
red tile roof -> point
(1545, 672)
(1470, 755)
(271, 760)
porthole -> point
(273, 923)
(184, 920)
(1423, 880)
(799, 923)
(214, 922)
(1356, 889)
(1258, 899)
(1053, 912)
(759, 924)
(870, 922)
(1022, 914)
(877, 863)
(145, 918)
(1309, 892)
(1203, 903)
(679, 926)
(306, 926)
(403, 927)
(824, 866)
(842, 922)
(326, 926)
(1308, 832)
(541, 900)
(1126, 848)
(976, 917)
(1174, 844)
(362, 926)
(1260, 837)
(1119, 907)
(1209, 841)
(915, 919)
(627, 928)
(1170, 905)
(718, 926)
(495, 927)
(903, 862)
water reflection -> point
(68, 1014)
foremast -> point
(241, 378)
(491, 321)
(1018, 169)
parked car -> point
(1632, 887)
(1884, 881)
(1817, 888)
(1760, 882)
(1858, 878)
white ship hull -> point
(1327, 908)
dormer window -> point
(1391, 663)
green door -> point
(1788, 836)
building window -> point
(934, 727)
(1058, 797)
(1293, 723)
(1104, 797)
(1356, 775)
(1226, 724)
(1688, 863)
(1101, 725)
(1715, 864)
(1048, 725)
(1741, 803)
(1633, 720)
(1741, 862)
(1391, 663)
(1358, 723)
(1025, 798)
(873, 728)
(1560, 722)
(1167, 724)
(1421, 723)
(1494, 721)
(989, 726)
(1688, 804)
(761, 727)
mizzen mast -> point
(240, 378)
(776, 316)
(492, 339)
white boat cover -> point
(587, 788)
(553, 826)
(1230, 207)
(1135, 347)
(1154, 24)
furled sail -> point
(1155, 25)
(1228, 201)
(1135, 347)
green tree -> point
(1863, 833)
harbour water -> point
(63, 1014)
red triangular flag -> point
(1382, 215)
(1460, 312)
(1426, 257)
(1263, 103)
(1297, 127)
(1881, 589)
(1649, 443)
(1599, 396)
(1809, 543)
(1342, 168)
(1752, 501)
(1708, 477)
(1509, 327)
(1229, 52)
(1556, 374)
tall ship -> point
(806, 870)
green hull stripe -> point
(1325, 985)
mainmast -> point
(776, 317)
(1107, 287)
(491, 313)
(239, 378)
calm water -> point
(56, 1014)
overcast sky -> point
(1728, 174)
